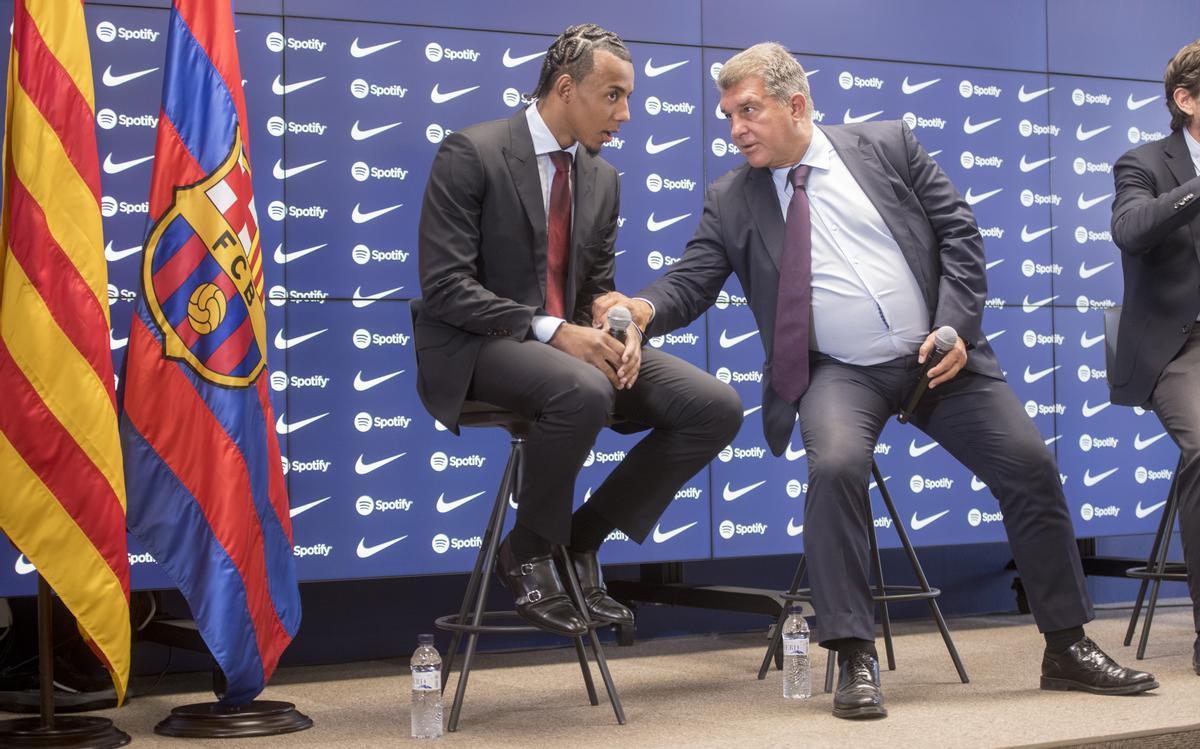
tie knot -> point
(562, 160)
(799, 176)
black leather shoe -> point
(600, 605)
(1196, 655)
(858, 693)
(1086, 668)
(538, 593)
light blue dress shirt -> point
(1193, 149)
(544, 143)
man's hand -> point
(631, 358)
(596, 347)
(639, 310)
(949, 366)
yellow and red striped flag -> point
(63, 495)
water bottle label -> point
(431, 680)
(795, 647)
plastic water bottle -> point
(426, 690)
(797, 679)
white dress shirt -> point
(1193, 149)
(544, 143)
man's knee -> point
(724, 412)
(585, 397)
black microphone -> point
(943, 341)
(619, 320)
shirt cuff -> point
(545, 326)
(650, 304)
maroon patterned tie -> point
(558, 234)
(789, 375)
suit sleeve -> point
(1141, 218)
(448, 243)
(600, 279)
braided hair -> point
(573, 53)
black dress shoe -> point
(600, 605)
(1086, 668)
(538, 593)
(858, 693)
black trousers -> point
(982, 424)
(691, 416)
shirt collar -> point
(543, 140)
(1193, 148)
(818, 156)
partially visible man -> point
(1156, 225)
(851, 245)
(516, 239)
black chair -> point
(884, 594)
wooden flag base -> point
(212, 720)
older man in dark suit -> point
(852, 245)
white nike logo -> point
(356, 50)
(361, 218)
(116, 343)
(116, 167)
(912, 88)
(875, 484)
(512, 62)
(973, 199)
(653, 71)
(283, 427)
(361, 300)
(362, 469)
(1027, 96)
(1032, 377)
(305, 508)
(281, 173)
(1143, 512)
(286, 343)
(1029, 306)
(362, 385)
(113, 256)
(1086, 341)
(437, 97)
(993, 264)
(917, 523)
(1052, 440)
(997, 334)
(659, 536)
(283, 258)
(1133, 103)
(653, 148)
(917, 452)
(850, 119)
(791, 454)
(1086, 272)
(653, 225)
(794, 530)
(970, 128)
(747, 411)
(1029, 236)
(444, 506)
(727, 342)
(111, 80)
(1085, 204)
(977, 485)
(1141, 444)
(365, 551)
(23, 567)
(358, 133)
(1029, 166)
(1081, 134)
(1090, 411)
(280, 88)
(732, 494)
(1089, 480)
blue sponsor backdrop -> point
(1026, 106)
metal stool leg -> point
(885, 616)
(597, 649)
(773, 648)
(1159, 567)
(830, 659)
(1161, 536)
(581, 653)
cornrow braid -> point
(573, 53)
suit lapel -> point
(522, 166)
(764, 206)
(1178, 158)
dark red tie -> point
(558, 234)
(789, 374)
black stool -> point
(883, 594)
(472, 616)
(1157, 568)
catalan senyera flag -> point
(63, 503)
(206, 488)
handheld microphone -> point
(943, 341)
(619, 320)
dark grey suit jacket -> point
(1156, 225)
(742, 228)
(482, 244)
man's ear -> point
(564, 86)
(799, 106)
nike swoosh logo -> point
(917, 452)
(305, 508)
(917, 523)
(653, 148)
(875, 484)
(362, 469)
(357, 50)
(653, 225)
(973, 199)
(970, 128)
(993, 264)
(1029, 306)
(1090, 411)
(116, 343)
(1032, 377)
(362, 218)
(116, 167)
(1027, 96)
(659, 536)
(727, 342)
(653, 71)
(362, 385)
(997, 334)
(1029, 236)
(1089, 480)
(1051, 440)
(286, 343)
(113, 256)
(1141, 444)
(1081, 134)
(282, 427)
(1086, 272)
(732, 494)
(1086, 341)
(283, 258)
(366, 300)
(791, 454)
(23, 567)
(444, 506)
(1085, 204)
(438, 97)
(794, 530)
(1133, 103)
(850, 119)
(912, 88)
(977, 485)
(358, 133)
(365, 551)
(1029, 166)
(279, 88)
(747, 411)
(1143, 512)
(112, 81)
(281, 173)
(512, 62)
